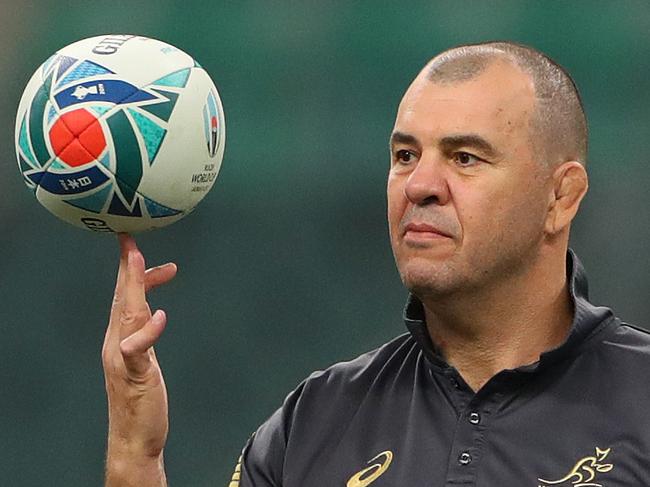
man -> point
(508, 376)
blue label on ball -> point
(70, 183)
(108, 90)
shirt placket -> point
(474, 413)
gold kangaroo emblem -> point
(365, 477)
(584, 472)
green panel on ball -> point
(105, 160)
(177, 79)
(100, 109)
(93, 203)
(163, 110)
(57, 164)
(23, 143)
(36, 114)
(24, 165)
(156, 210)
(128, 170)
(152, 133)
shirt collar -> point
(588, 320)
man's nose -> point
(427, 183)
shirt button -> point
(474, 418)
(465, 458)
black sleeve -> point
(261, 461)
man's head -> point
(558, 127)
(487, 167)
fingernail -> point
(158, 317)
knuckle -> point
(116, 307)
(113, 368)
(110, 362)
(130, 317)
(128, 351)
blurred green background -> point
(285, 267)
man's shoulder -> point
(620, 349)
(332, 395)
(385, 360)
(629, 340)
(345, 384)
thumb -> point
(135, 347)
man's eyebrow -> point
(403, 138)
(452, 142)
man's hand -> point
(137, 398)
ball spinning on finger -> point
(120, 133)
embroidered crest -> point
(585, 472)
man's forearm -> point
(127, 471)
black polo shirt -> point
(401, 416)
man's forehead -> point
(500, 89)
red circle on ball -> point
(77, 137)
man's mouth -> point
(423, 231)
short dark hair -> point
(558, 125)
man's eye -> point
(404, 156)
(465, 159)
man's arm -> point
(137, 397)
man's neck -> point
(511, 326)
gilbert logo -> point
(369, 474)
(584, 473)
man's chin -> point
(426, 278)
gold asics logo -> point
(584, 473)
(369, 474)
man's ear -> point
(570, 183)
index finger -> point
(126, 244)
(135, 312)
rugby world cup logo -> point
(212, 122)
(88, 135)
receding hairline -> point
(558, 124)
